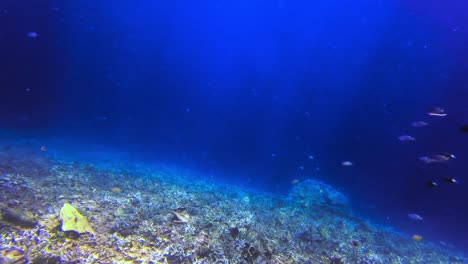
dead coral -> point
(211, 223)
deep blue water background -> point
(247, 90)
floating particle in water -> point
(415, 217)
(295, 181)
(273, 155)
(443, 243)
(419, 124)
(101, 118)
(300, 168)
(311, 157)
(406, 138)
(347, 163)
(444, 76)
(32, 35)
(436, 111)
(187, 109)
(297, 138)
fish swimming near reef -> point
(415, 217)
(295, 181)
(347, 163)
(406, 138)
(450, 179)
(437, 158)
(449, 155)
(101, 118)
(436, 111)
(419, 124)
(425, 159)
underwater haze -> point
(268, 97)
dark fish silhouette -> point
(464, 128)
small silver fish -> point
(450, 180)
(101, 118)
(436, 111)
(449, 155)
(347, 163)
(415, 217)
(419, 124)
(405, 138)
(437, 158)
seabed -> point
(162, 214)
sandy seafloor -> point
(164, 214)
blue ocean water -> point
(256, 93)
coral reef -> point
(311, 194)
(162, 214)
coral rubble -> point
(166, 215)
